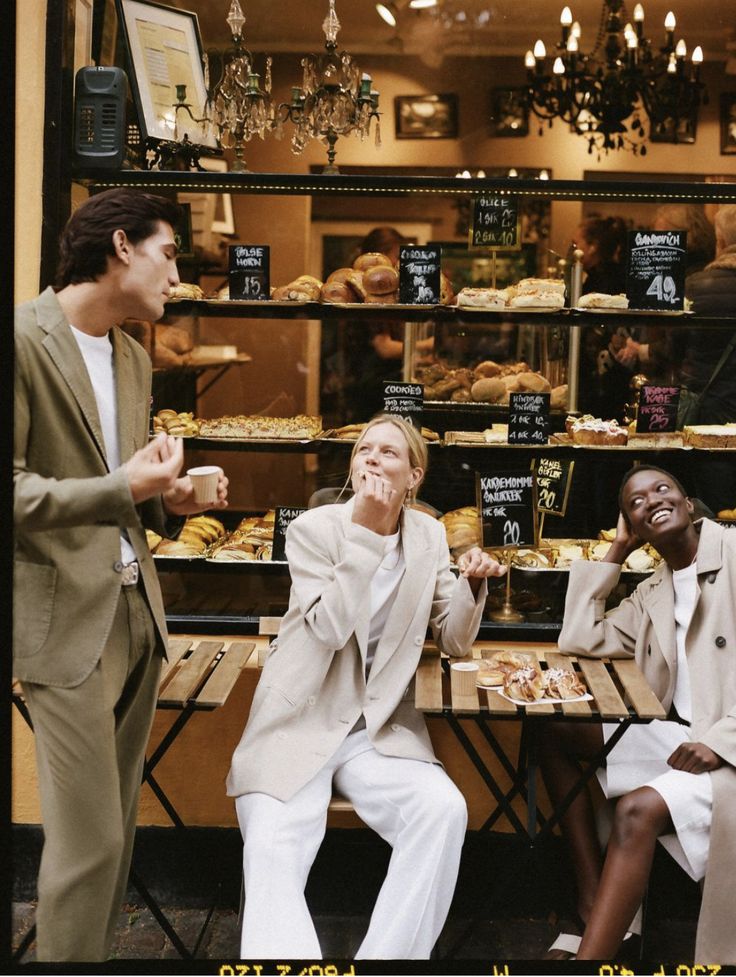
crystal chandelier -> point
(334, 100)
(625, 88)
(239, 108)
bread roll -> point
(489, 390)
(558, 397)
(391, 298)
(380, 280)
(534, 383)
(487, 369)
(365, 261)
(511, 382)
(461, 396)
(337, 292)
(355, 280)
(339, 275)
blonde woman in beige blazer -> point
(335, 706)
(676, 780)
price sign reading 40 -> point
(249, 272)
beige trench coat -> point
(313, 687)
(643, 627)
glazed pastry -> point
(369, 260)
(380, 280)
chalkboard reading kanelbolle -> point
(285, 515)
(507, 506)
(554, 478)
(419, 275)
(249, 272)
(655, 276)
(404, 399)
(495, 222)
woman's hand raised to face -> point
(377, 504)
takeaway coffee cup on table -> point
(204, 481)
(463, 677)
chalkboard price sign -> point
(507, 506)
(554, 477)
(495, 222)
(404, 399)
(656, 270)
(657, 409)
(285, 515)
(249, 272)
(419, 275)
(528, 418)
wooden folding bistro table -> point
(620, 694)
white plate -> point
(544, 700)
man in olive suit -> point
(89, 625)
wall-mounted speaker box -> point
(99, 117)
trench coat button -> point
(117, 566)
(419, 640)
(720, 641)
(311, 700)
(711, 578)
(395, 728)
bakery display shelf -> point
(383, 185)
(288, 445)
(202, 564)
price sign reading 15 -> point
(249, 272)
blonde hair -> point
(415, 443)
(726, 224)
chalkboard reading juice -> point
(249, 272)
(495, 222)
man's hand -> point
(153, 470)
(625, 542)
(377, 504)
(694, 758)
(179, 499)
(475, 565)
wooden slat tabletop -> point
(177, 648)
(190, 675)
(428, 683)
(555, 660)
(608, 702)
(644, 701)
(223, 678)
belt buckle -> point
(130, 574)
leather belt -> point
(130, 574)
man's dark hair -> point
(646, 468)
(86, 241)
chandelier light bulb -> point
(669, 22)
(543, 175)
(465, 174)
(566, 17)
(386, 13)
(698, 55)
(540, 51)
(481, 175)
(572, 44)
(672, 64)
(575, 30)
(558, 68)
(422, 4)
(529, 60)
(513, 172)
(681, 49)
(632, 41)
(639, 13)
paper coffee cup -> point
(204, 481)
(463, 677)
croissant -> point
(524, 684)
(563, 683)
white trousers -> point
(412, 805)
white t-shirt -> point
(685, 585)
(97, 355)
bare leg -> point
(560, 748)
(641, 817)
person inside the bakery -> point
(675, 779)
(334, 708)
(89, 628)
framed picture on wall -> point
(728, 123)
(674, 131)
(164, 49)
(426, 116)
(509, 115)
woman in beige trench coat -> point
(696, 683)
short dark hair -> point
(86, 241)
(646, 468)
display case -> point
(202, 595)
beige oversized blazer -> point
(313, 687)
(68, 506)
(643, 627)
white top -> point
(685, 584)
(97, 355)
(384, 587)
